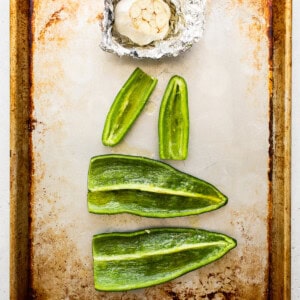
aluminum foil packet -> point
(186, 28)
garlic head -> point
(142, 21)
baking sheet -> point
(73, 84)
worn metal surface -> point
(72, 86)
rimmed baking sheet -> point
(62, 85)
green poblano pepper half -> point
(126, 261)
(147, 187)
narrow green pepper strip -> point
(126, 261)
(173, 124)
(127, 106)
(147, 187)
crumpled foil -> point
(186, 28)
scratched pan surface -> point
(73, 86)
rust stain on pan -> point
(51, 266)
(54, 19)
(64, 13)
(58, 266)
(98, 18)
(268, 32)
(32, 162)
(224, 283)
(256, 30)
(271, 146)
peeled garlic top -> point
(142, 21)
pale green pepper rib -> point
(127, 106)
(125, 261)
(147, 187)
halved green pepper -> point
(173, 124)
(126, 261)
(127, 106)
(147, 187)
